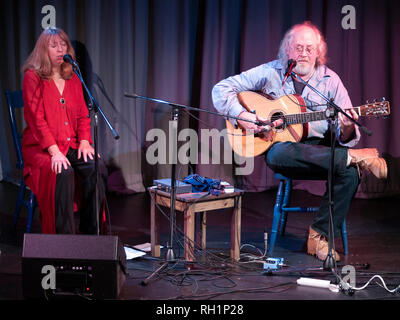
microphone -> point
(68, 59)
(291, 64)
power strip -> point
(317, 283)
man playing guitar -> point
(309, 158)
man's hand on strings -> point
(249, 126)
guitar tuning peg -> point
(383, 99)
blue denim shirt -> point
(268, 77)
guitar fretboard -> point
(305, 117)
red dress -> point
(51, 118)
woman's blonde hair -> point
(39, 59)
(322, 47)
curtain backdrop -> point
(177, 50)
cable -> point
(185, 278)
(395, 290)
(214, 261)
(267, 289)
(252, 257)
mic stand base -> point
(170, 254)
(329, 263)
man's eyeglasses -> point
(309, 49)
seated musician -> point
(310, 158)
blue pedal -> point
(273, 263)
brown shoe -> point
(358, 155)
(318, 246)
(368, 159)
(376, 166)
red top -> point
(51, 118)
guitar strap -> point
(298, 86)
(293, 133)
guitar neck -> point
(319, 115)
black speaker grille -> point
(57, 246)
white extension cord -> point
(317, 283)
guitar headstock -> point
(375, 109)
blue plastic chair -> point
(281, 209)
(14, 100)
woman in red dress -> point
(56, 143)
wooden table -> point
(190, 204)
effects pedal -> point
(273, 263)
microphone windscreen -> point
(292, 61)
(67, 58)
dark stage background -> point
(178, 50)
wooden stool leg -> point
(236, 229)
(189, 217)
(200, 229)
(154, 229)
(203, 230)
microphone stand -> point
(170, 256)
(95, 108)
(329, 263)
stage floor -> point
(373, 233)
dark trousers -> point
(311, 161)
(65, 192)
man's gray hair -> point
(322, 48)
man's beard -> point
(303, 70)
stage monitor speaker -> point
(88, 266)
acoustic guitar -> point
(289, 112)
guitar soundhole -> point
(277, 116)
